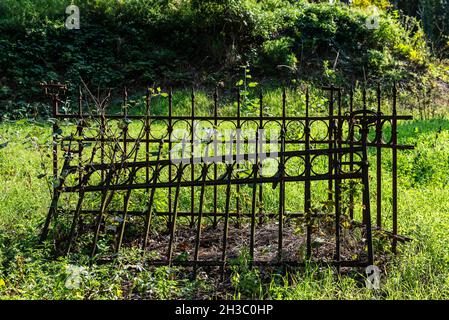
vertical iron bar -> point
(200, 217)
(215, 154)
(394, 132)
(337, 170)
(80, 132)
(379, 160)
(175, 213)
(260, 142)
(170, 144)
(307, 183)
(53, 208)
(80, 135)
(192, 168)
(365, 108)
(80, 164)
(127, 197)
(57, 193)
(125, 126)
(254, 200)
(331, 143)
(149, 212)
(282, 183)
(147, 135)
(79, 204)
(366, 196)
(76, 215)
(351, 154)
(226, 219)
(55, 142)
(102, 137)
(238, 136)
(104, 204)
(75, 220)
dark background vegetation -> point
(185, 42)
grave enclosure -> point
(117, 184)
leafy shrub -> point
(244, 279)
(278, 52)
(434, 15)
(178, 42)
(21, 13)
(382, 4)
(340, 34)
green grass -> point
(419, 271)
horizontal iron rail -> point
(230, 118)
(205, 214)
(294, 141)
(182, 184)
(199, 160)
(260, 263)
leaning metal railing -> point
(126, 179)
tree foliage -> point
(207, 41)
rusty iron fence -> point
(126, 185)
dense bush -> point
(185, 41)
(435, 18)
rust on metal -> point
(121, 172)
